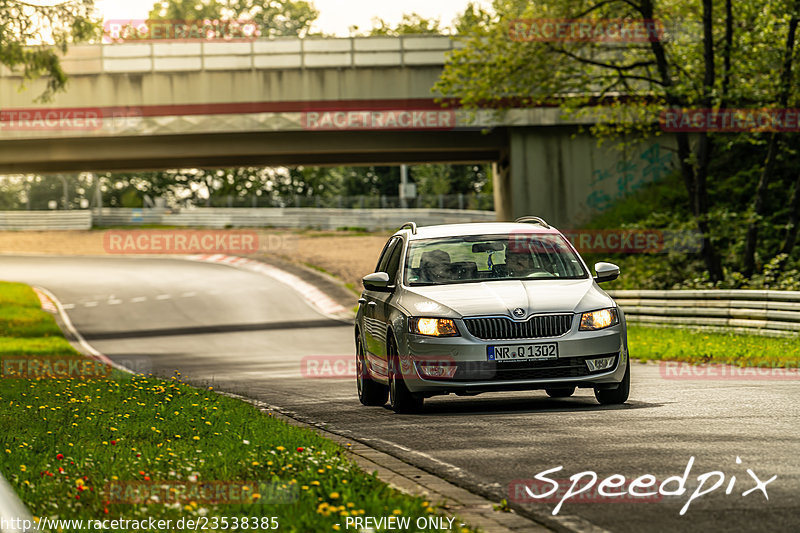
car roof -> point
(481, 228)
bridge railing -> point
(760, 312)
(280, 53)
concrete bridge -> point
(303, 102)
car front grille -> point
(568, 367)
(505, 328)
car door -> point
(383, 306)
(374, 323)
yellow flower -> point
(23, 468)
(334, 495)
(397, 512)
(315, 483)
(196, 437)
(280, 448)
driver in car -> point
(520, 264)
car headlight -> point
(600, 319)
(433, 327)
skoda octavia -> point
(471, 308)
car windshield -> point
(475, 258)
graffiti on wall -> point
(626, 176)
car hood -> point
(502, 297)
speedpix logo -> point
(587, 486)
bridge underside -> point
(217, 150)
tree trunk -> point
(790, 238)
(751, 240)
(694, 177)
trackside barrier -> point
(759, 312)
(288, 217)
(45, 220)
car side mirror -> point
(606, 272)
(377, 281)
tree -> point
(410, 24)
(759, 203)
(626, 86)
(32, 37)
(275, 18)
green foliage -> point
(704, 346)
(410, 24)
(32, 39)
(275, 18)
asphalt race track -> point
(246, 333)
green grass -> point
(703, 346)
(65, 442)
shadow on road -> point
(516, 405)
(213, 329)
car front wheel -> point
(400, 398)
(618, 395)
(369, 392)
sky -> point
(336, 16)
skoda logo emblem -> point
(519, 312)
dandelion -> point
(333, 495)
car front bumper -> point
(475, 373)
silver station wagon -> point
(471, 308)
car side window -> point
(386, 255)
(393, 264)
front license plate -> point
(523, 352)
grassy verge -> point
(702, 346)
(138, 447)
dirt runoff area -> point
(345, 255)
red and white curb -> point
(318, 299)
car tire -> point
(563, 392)
(620, 394)
(370, 392)
(400, 398)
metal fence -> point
(761, 312)
(45, 220)
(289, 217)
(479, 202)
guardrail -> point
(45, 220)
(288, 217)
(760, 312)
